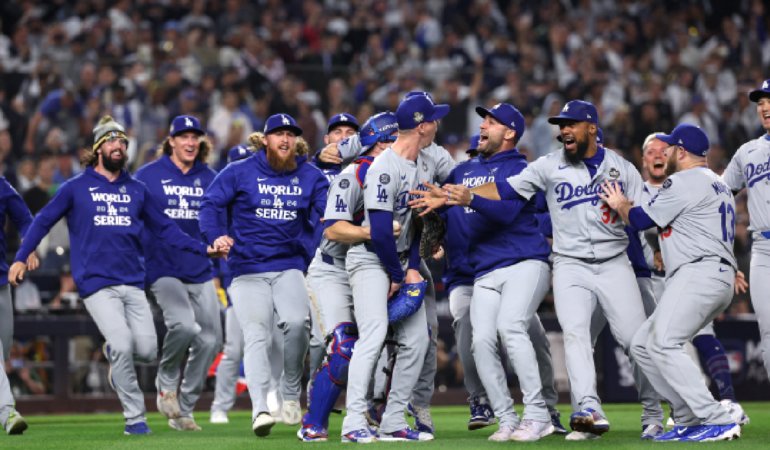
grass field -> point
(105, 431)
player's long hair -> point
(204, 148)
(258, 142)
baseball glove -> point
(433, 230)
(407, 301)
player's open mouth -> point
(483, 138)
(568, 141)
(658, 165)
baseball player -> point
(107, 211)
(506, 246)
(710, 350)
(229, 365)
(340, 127)
(183, 287)
(12, 205)
(589, 245)
(696, 212)
(377, 269)
(329, 281)
(272, 199)
(750, 169)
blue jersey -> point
(106, 220)
(180, 195)
(457, 268)
(12, 205)
(273, 215)
(498, 236)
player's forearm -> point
(346, 233)
(487, 190)
(384, 244)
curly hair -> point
(204, 148)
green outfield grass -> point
(105, 431)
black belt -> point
(721, 261)
(401, 255)
(598, 260)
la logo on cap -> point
(343, 118)
(418, 117)
(764, 85)
(566, 108)
(187, 122)
(680, 142)
(285, 120)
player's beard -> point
(581, 148)
(279, 164)
(112, 165)
(671, 163)
(491, 146)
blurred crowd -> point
(646, 64)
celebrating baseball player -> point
(329, 281)
(273, 199)
(589, 245)
(183, 287)
(12, 205)
(696, 212)
(750, 169)
(107, 211)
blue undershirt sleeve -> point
(381, 229)
(639, 219)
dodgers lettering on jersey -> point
(750, 168)
(696, 213)
(583, 225)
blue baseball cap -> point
(473, 143)
(342, 119)
(763, 91)
(577, 111)
(180, 124)
(238, 152)
(506, 114)
(688, 136)
(413, 93)
(416, 109)
(281, 121)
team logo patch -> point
(344, 184)
(424, 166)
(384, 178)
(614, 173)
(667, 184)
(122, 189)
(197, 182)
(418, 117)
(295, 181)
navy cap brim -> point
(756, 94)
(197, 131)
(667, 138)
(439, 111)
(484, 112)
(297, 130)
(341, 123)
(555, 120)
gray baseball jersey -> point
(583, 226)
(697, 213)
(344, 200)
(438, 161)
(750, 168)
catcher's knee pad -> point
(342, 340)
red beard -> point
(279, 164)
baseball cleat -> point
(422, 420)
(15, 423)
(558, 428)
(404, 435)
(589, 421)
(312, 433)
(262, 424)
(291, 412)
(184, 424)
(651, 431)
(219, 417)
(168, 404)
(481, 414)
(736, 412)
(710, 433)
(581, 436)
(532, 430)
(503, 433)
(675, 434)
(137, 429)
(363, 436)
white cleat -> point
(219, 417)
(736, 412)
(274, 405)
(15, 423)
(581, 436)
(291, 412)
(262, 424)
(503, 433)
(532, 430)
(184, 424)
(168, 404)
